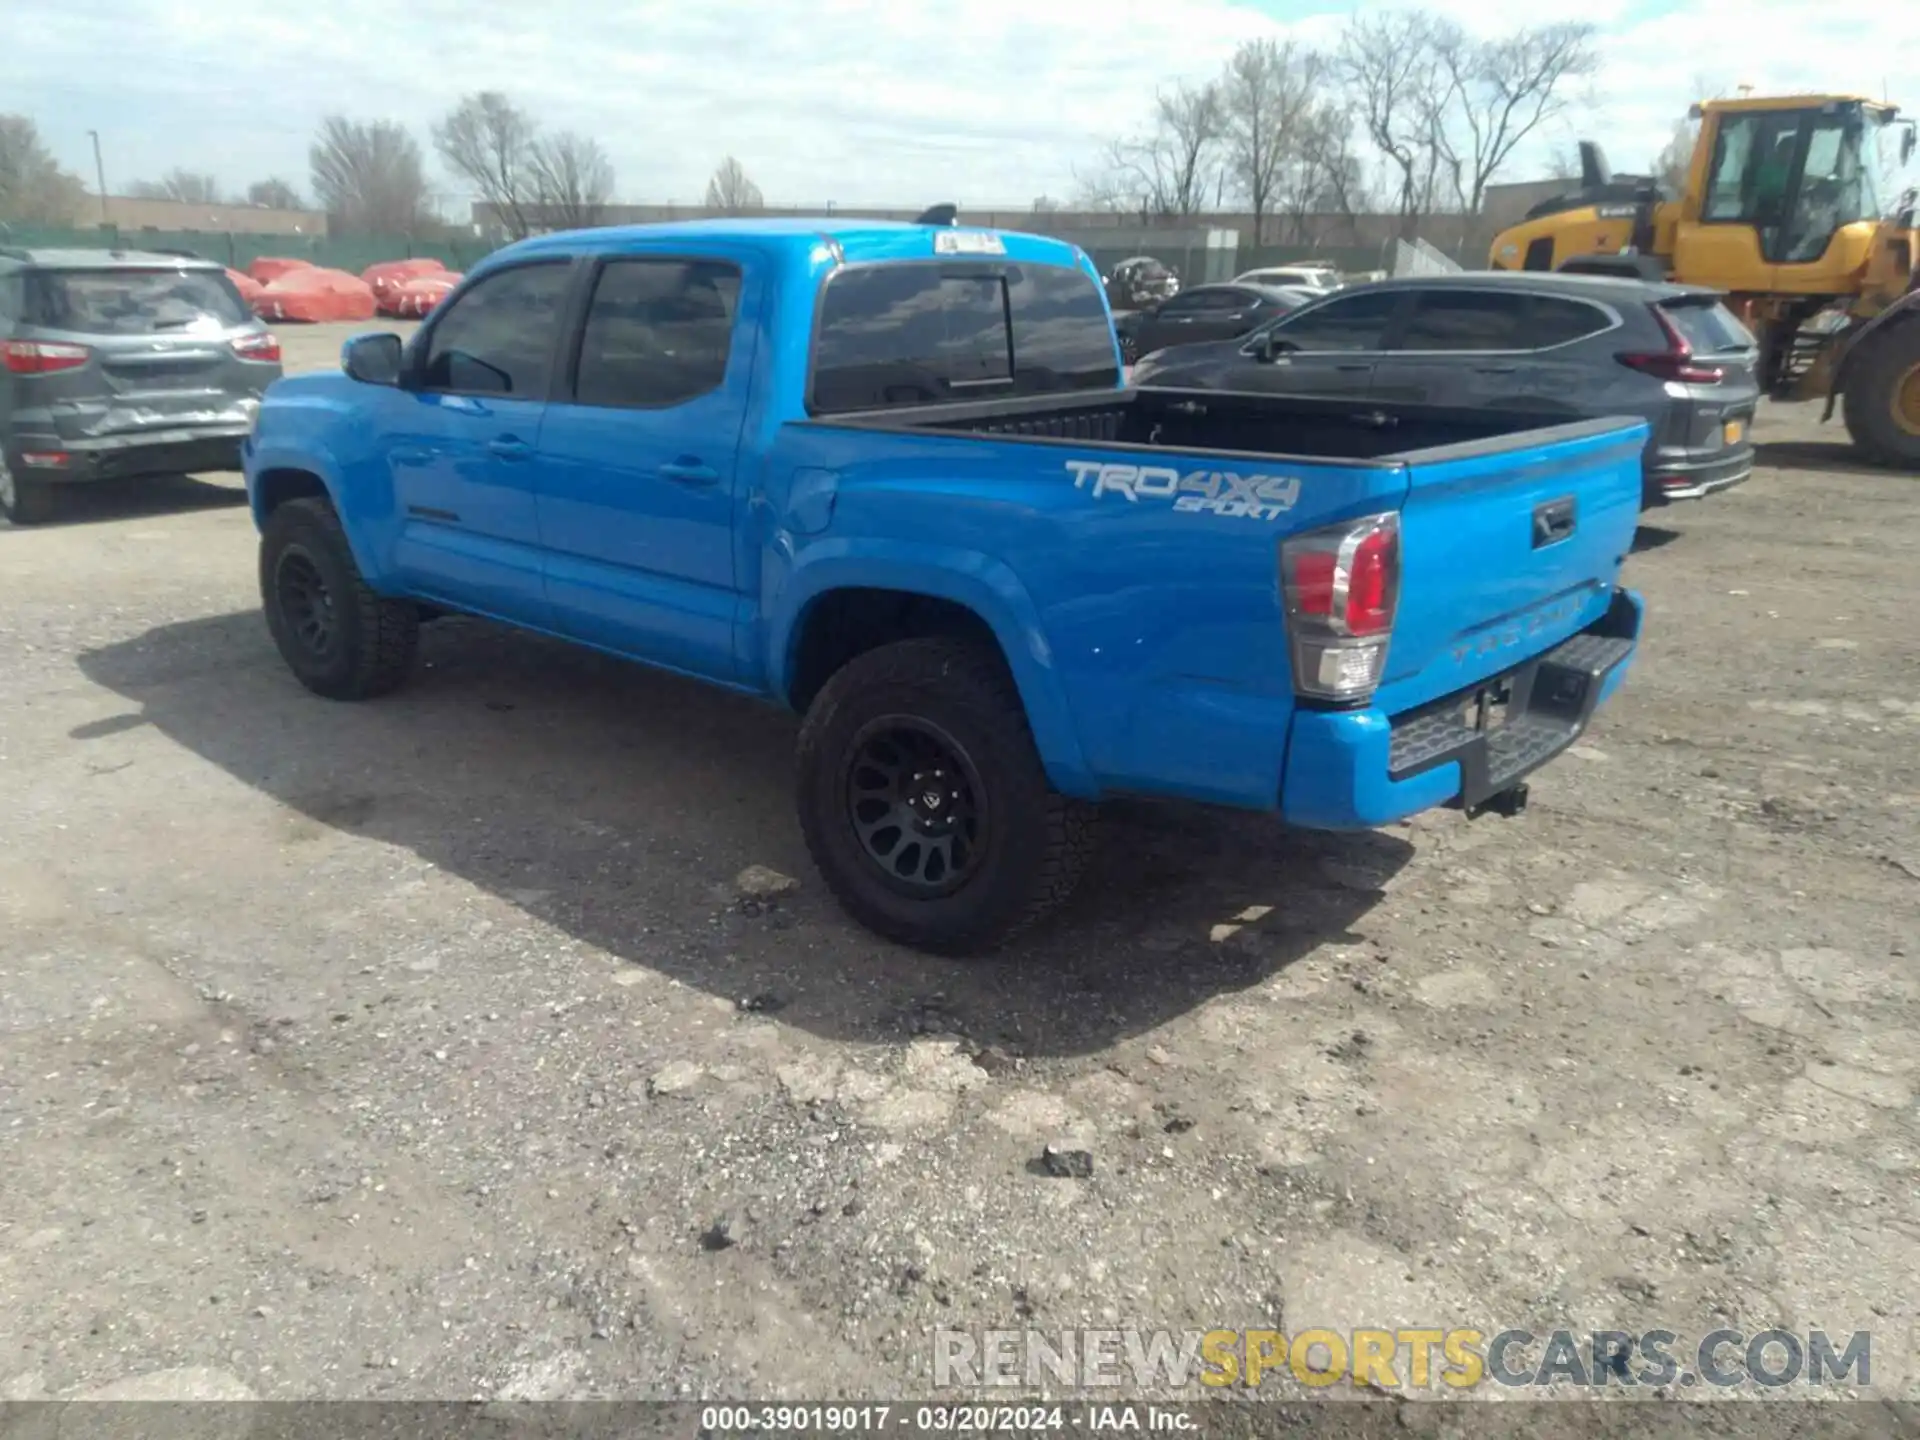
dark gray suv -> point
(117, 363)
(1543, 347)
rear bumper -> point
(1357, 768)
(1669, 480)
(117, 457)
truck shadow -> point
(103, 501)
(617, 804)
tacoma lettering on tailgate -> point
(1215, 492)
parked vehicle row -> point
(891, 477)
(1539, 347)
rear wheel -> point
(340, 638)
(22, 501)
(924, 803)
(1882, 399)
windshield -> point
(133, 302)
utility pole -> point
(100, 174)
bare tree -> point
(369, 176)
(34, 190)
(488, 141)
(1401, 92)
(572, 180)
(1174, 169)
(731, 192)
(1323, 176)
(1499, 92)
(1266, 100)
(274, 193)
(189, 187)
(1045, 205)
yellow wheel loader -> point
(1784, 209)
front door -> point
(461, 440)
(638, 461)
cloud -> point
(849, 101)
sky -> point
(985, 102)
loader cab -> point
(1785, 196)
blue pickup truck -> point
(890, 476)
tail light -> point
(263, 348)
(1341, 586)
(35, 357)
(1676, 362)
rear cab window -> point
(129, 301)
(921, 332)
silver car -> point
(117, 363)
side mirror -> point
(1268, 347)
(372, 359)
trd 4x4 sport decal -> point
(1215, 492)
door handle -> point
(509, 447)
(1352, 369)
(1496, 369)
(689, 471)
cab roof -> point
(859, 240)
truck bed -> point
(1302, 428)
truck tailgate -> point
(1509, 547)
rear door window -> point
(132, 302)
(919, 333)
(498, 337)
(658, 332)
(1709, 328)
(1466, 320)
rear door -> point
(154, 349)
(639, 457)
(1330, 348)
(460, 442)
(1498, 350)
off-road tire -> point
(23, 501)
(1036, 841)
(1867, 402)
(372, 649)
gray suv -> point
(115, 363)
(1538, 348)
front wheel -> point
(1882, 400)
(924, 802)
(340, 638)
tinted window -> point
(1465, 320)
(1554, 321)
(658, 332)
(1062, 338)
(132, 302)
(917, 333)
(1355, 322)
(1710, 329)
(497, 339)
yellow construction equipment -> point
(1785, 210)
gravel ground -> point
(430, 1048)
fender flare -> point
(321, 466)
(968, 578)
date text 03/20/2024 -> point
(941, 1419)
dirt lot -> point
(425, 1048)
